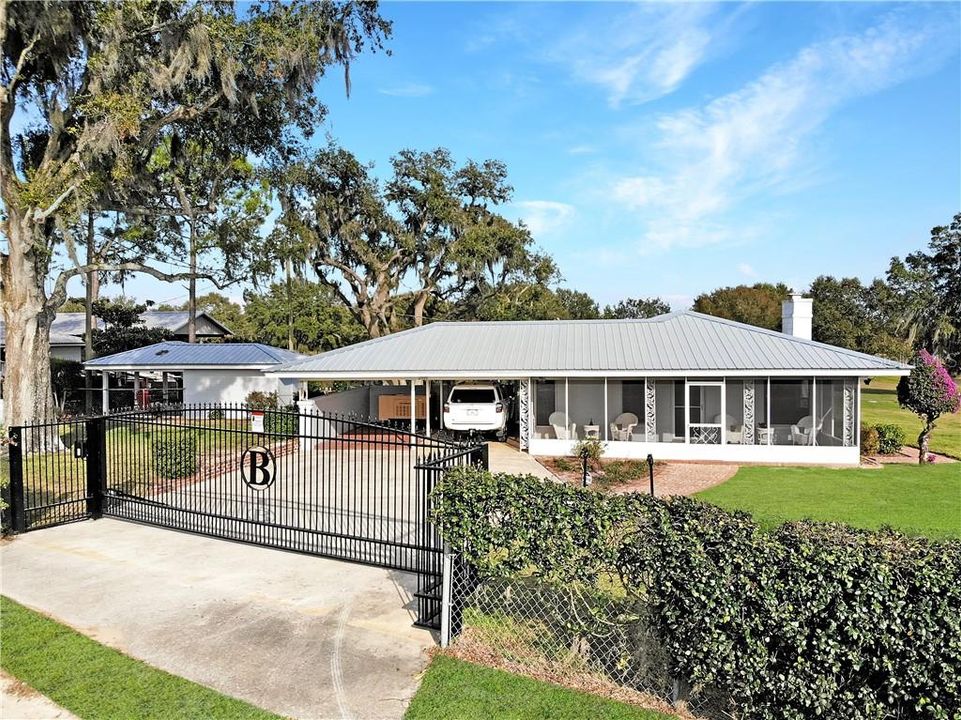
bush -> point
(175, 455)
(890, 439)
(591, 447)
(870, 441)
(284, 422)
(811, 620)
(618, 472)
(260, 400)
(215, 414)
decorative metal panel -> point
(650, 411)
(524, 409)
(850, 394)
(705, 435)
(748, 438)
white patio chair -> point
(804, 430)
(623, 426)
(562, 429)
(735, 431)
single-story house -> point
(63, 346)
(208, 327)
(175, 371)
(680, 386)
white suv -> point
(475, 408)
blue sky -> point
(671, 149)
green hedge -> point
(890, 439)
(812, 620)
(175, 455)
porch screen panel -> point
(791, 412)
(669, 411)
(545, 401)
(835, 411)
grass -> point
(915, 500)
(96, 682)
(462, 691)
(879, 405)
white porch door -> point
(705, 413)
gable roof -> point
(72, 323)
(174, 354)
(675, 343)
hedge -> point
(811, 620)
(175, 455)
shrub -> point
(811, 620)
(591, 447)
(929, 392)
(890, 439)
(175, 455)
(282, 422)
(260, 400)
(215, 414)
(624, 471)
(870, 441)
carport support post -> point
(96, 456)
(413, 407)
(105, 392)
(166, 388)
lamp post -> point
(650, 471)
(585, 473)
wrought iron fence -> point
(315, 483)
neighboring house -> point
(62, 346)
(682, 386)
(176, 371)
(72, 323)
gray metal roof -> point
(175, 354)
(56, 338)
(681, 342)
(72, 323)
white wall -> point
(225, 386)
(67, 352)
(786, 454)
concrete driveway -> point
(302, 636)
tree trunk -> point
(192, 292)
(923, 441)
(27, 391)
(420, 303)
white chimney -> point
(796, 316)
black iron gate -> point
(311, 483)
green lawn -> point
(915, 500)
(879, 404)
(460, 690)
(95, 682)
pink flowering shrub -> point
(929, 392)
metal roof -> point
(676, 343)
(174, 354)
(72, 323)
(56, 338)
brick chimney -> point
(797, 312)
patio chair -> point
(804, 431)
(562, 429)
(735, 431)
(623, 426)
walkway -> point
(302, 636)
(507, 459)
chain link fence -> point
(596, 640)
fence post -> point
(96, 465)
(445, 596)
(18, 516)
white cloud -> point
(410, 89)
(746, 270)
(581, 150)
(754, 139)
(641, 54)
(543, 216)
